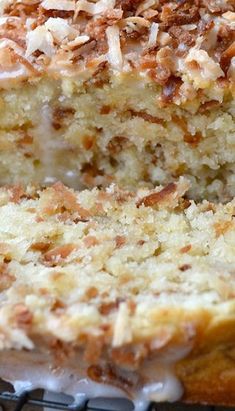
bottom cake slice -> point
(118, 293)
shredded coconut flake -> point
(153, 35)
(78, 41)
(84, 5)
(28, 23)
(231, 71)
(122, 330)
(104, 5)
(39, 39)
(60, 29)
(141, 21)
(229, 15)
(145, 5)
(4, 42)
(189, 27)
(164, 38)
(3, 20)
(64, 5)
(208, 69)
(114, 53)
(3, 5)
(94, 8)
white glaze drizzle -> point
(32, 370)
(48, 146)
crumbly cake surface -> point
(129, 92)
(140, 277)
(67, 256)
(135, 93)
(134, 274)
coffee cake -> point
(118, 91)
(111, 293)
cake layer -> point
(130, 290)
(136, 93)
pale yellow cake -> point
(127, 288)
(125, 91)
(128, 294)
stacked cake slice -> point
(129, 92)
(125, 287)
(134, 292)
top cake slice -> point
(133, 92)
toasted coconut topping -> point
(78, 41)
(202, 67)
(54, 34)
(145, 5)
(114, 53)
(94, 8)
(229, 15)
(141, 21)
(63, 5)
(122, 331)
(60, 29)
(153, 35)
(40, 39)
(231, 71)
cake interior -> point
(114, 128)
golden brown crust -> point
(209, 378)
(208, 373)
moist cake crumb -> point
(146, 277)
(132, 93)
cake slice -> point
(118, 91)
(115, 293)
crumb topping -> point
(189, 40)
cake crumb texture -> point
(109, 263)
(135, 93)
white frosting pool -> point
(32, 370)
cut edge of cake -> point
(134, 93)
(133, 291)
